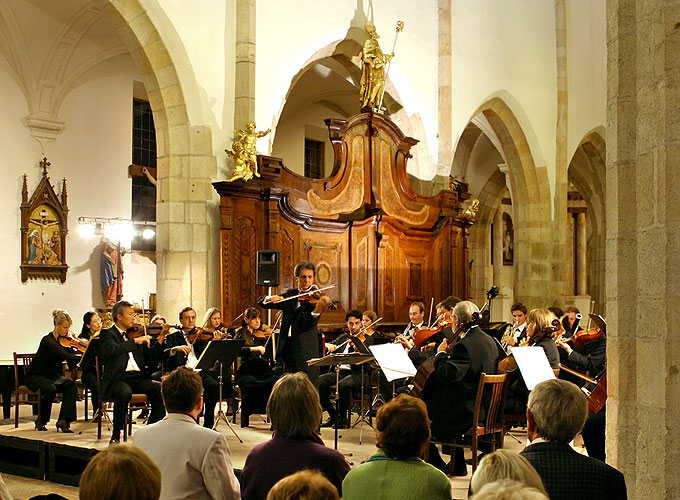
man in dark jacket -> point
(556, 412)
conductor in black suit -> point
(298, 340)
(125, 368)
(556, 412)
(450, 397)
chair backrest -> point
(23, 360)
(492, 389)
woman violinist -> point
(367, 319)
(255, 376)
(46, 373)
(92, 325)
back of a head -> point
(120, 471)
(508, 490)
(464, 311)
(403, 427)
(559, 409)
(505, 465)
(303, 485)
(181, 389)
(293, 407)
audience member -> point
(195, 461)
(556, 412)
(508, 490)
(295, 412)
(504, 464)
(119, 472)
(403, 432)
(303, 485)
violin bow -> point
(308, 292)
(429, 317)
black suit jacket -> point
(451, 396)
(113, 352)
(298, 320)
(175, 339)
(568, 475)
(49, 357)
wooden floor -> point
(258, 432)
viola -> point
(582, 337)
(70, 340)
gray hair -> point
(559, 409)
(508, 490)
(506, 465)
(118, 309)
(293, 407)
(60, 316)
(464, 311)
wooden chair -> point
(492, 431)
(23, 360)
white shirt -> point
(192, 360)
(132, 365)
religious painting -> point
(508, 240)
(44, 225)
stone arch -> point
(587, 172)
(341, 58)
(186, 163)
(531, 207)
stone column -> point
(444, 119)
(571, 275)
(498, 247)
(581, 259)
(643, 235)
(244, 69)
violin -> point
(423, 333)
(154, 331)
(264, 332)
(70, 340)
(582, 337)
(199, 334)
(314, 297)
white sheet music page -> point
(393, 361)
(533, 364)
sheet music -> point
(393, 361)
(533, 364)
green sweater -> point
(383, 478)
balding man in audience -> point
(556, 412)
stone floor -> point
(357, 444)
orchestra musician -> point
(126, 362)
(570, 322)
(46, 373)
(518, 330)
(450, 396)
(92, 325)
(350, 376)
(416, 316)
(255, 376)
(298, 340)
(181, 351)
(419, 354)
(367, 319)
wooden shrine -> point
(365, 228)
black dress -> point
(46, 373)
(255, 377)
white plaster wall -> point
(587, 69)
(92, 153)
(289, 32)
(506, 48)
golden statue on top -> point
(244, 153)
(374, 71)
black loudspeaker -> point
(267, 268)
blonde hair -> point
(504, 464)
(60, 316)
(120, 471)
(209, 314)
(293, 407)
(542, 318)
(303, 485)
(508, 490)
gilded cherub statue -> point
(373, 63)
(471, 213)
(244, 153)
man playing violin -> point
(126, 362)
(183, 348)
(450, 397)
(350, 375)
(416, 316)
(298, 341)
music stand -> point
(361, 348)
(222, 352)
(353, 358)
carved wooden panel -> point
(245, 251)
(226, 275)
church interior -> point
(526, 145)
